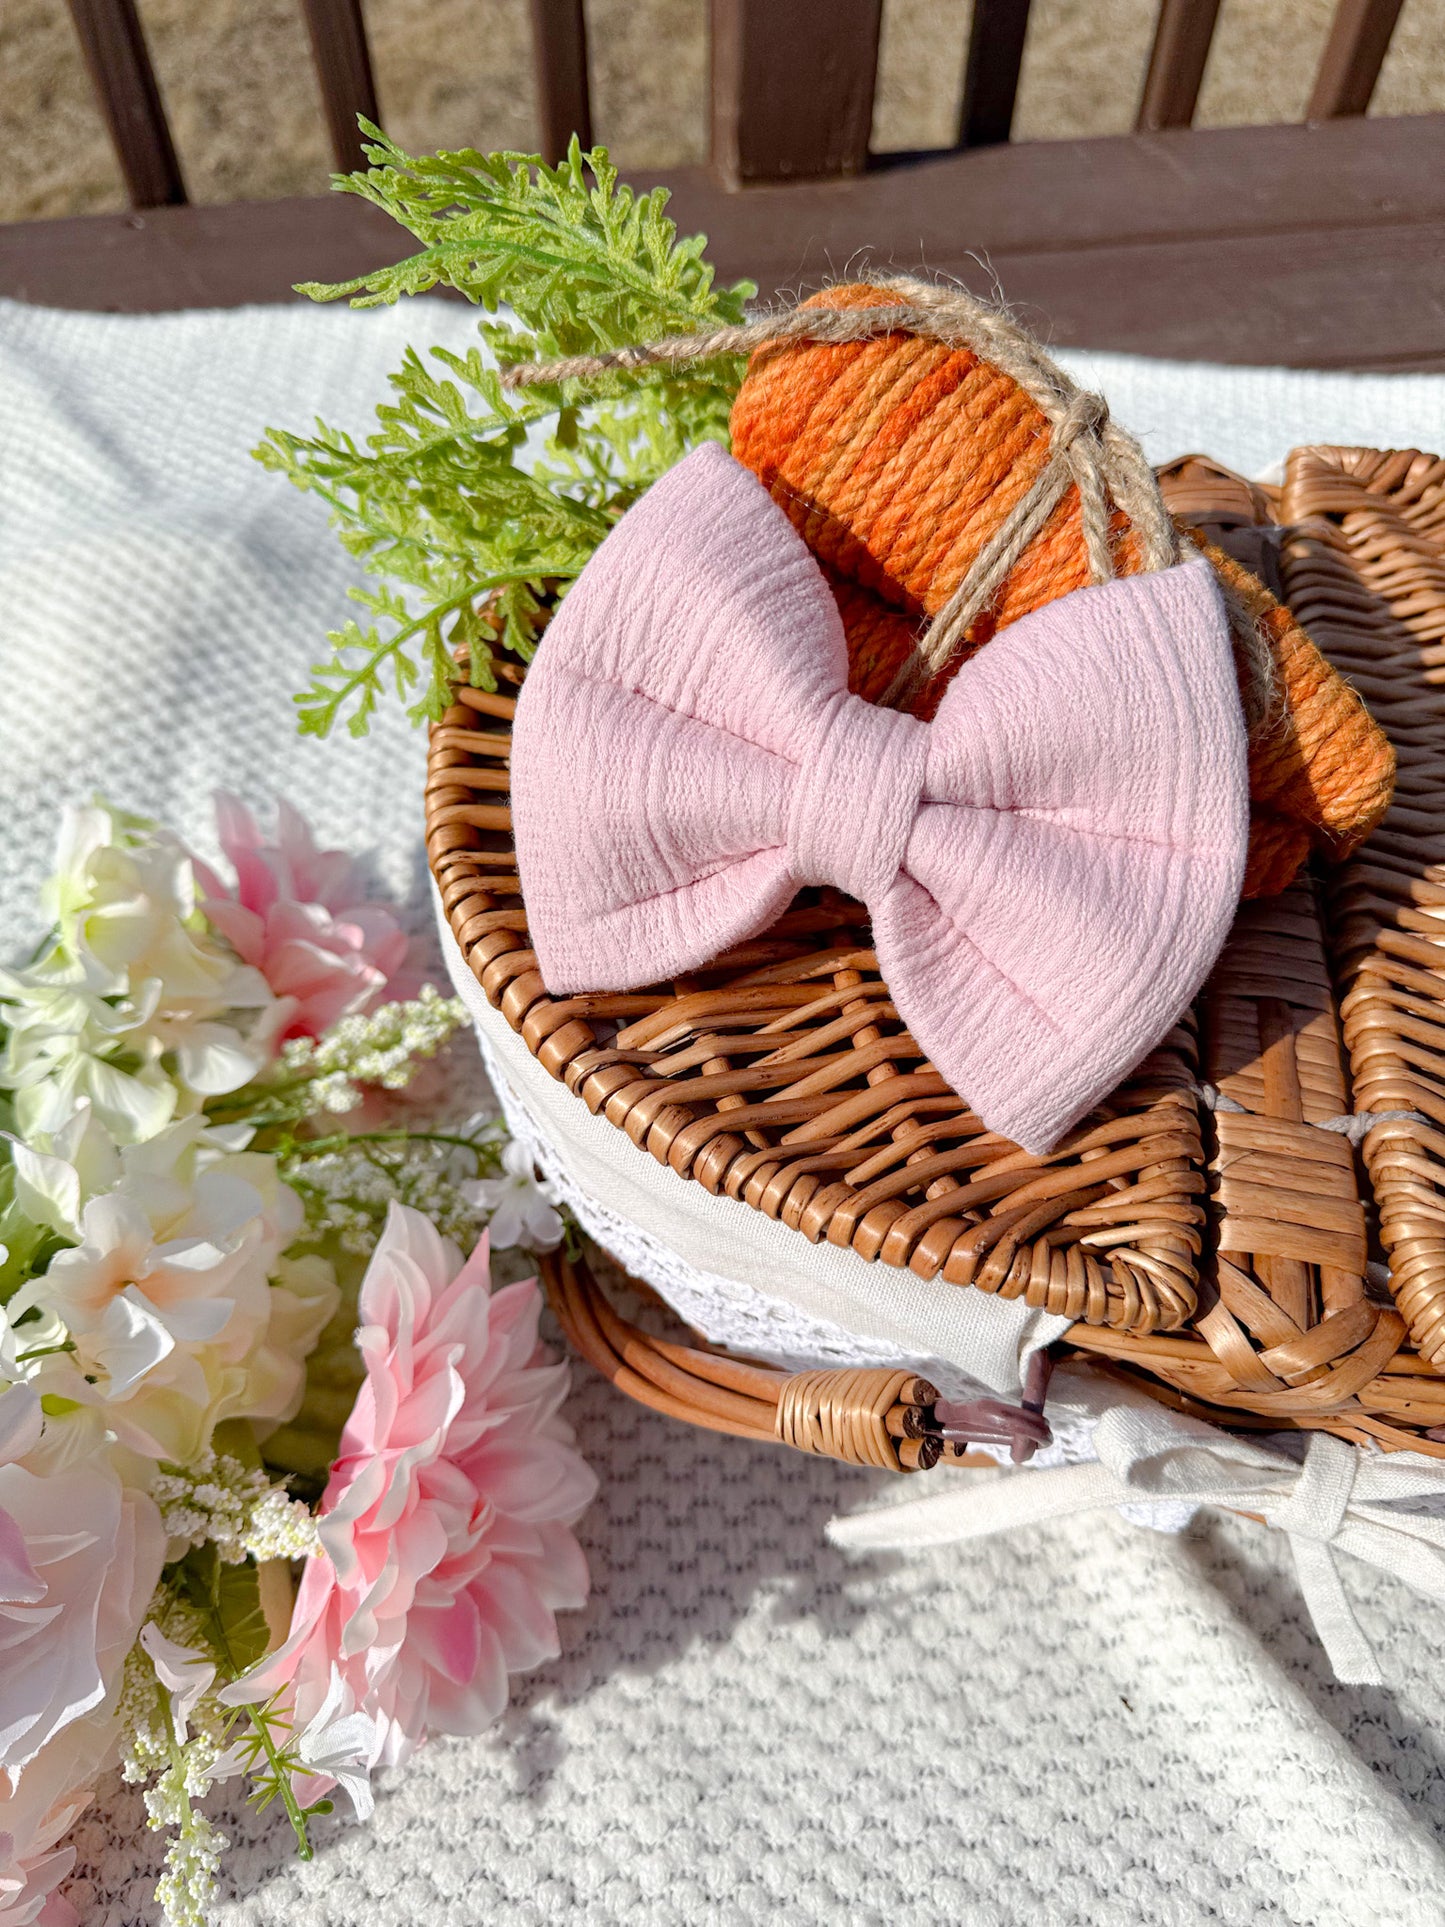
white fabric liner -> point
(739, 1277)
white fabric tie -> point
(1342, 1499)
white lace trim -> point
(725, 1311)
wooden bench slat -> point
(559, 65)
(792, 88)
(1353, 56)
(1121, 190)
(1317, 245)
(120, 69)
(991, 74)
(342, 60)
(1182, 37)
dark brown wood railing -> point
(120, 69)
(343, 72)
(1354, 54)
(991, 72)
(792, 80)
(559, 67)
(792, 88)
(1183, 35)
(1319, 245)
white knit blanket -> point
(1083, 1725)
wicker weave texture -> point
(1364, 566)
(1289, 1331)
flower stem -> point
(260, 1718)
(339, 1140)
(282, 1776)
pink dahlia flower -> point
(300, 916)
(446, 1524)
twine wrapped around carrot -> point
(950, 478)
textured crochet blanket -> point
(1088, 1723)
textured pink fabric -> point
(1051, 865)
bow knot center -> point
(856, 796)
(1316, 1508)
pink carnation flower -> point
(37, 1811)
(300, 916)
(79, 1558)
(445, 1527)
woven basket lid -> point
(780, 1079)
(1253, 1207)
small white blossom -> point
(280, 1528)
(186, 1673)
(382, 1049)
(338, 1745)
(188, 1884)
(348, 1191)
(238, 1758)
(233, 1507)
(519, 1206)
(335, 1094)
(145, 1742)
(171, 1728)
(145, 1705)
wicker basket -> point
(1214, 1230)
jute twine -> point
(1088, 450)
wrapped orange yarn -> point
(898, 457)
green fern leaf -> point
(470, 534)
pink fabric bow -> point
(1051, 865)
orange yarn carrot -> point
(898, 457)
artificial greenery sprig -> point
(475, 507)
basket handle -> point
(872, 1415)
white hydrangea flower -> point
(57, 1170)
(179, 1303)
(66, 1046)
(125, 905)
(11, 1347)
(136, 997)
